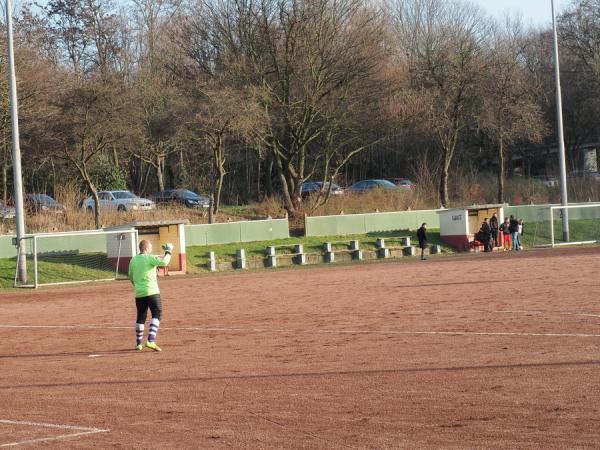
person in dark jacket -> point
(422, 236)
(494, 226)
(486, 235)
(513, 226)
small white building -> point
(459, 225)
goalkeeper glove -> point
(168, 248)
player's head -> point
(424, 225)
(145, 246)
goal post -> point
(584, 225)
(76, 257)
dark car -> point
(403, 183)
(547, 180)
(312, 187)
(369, 185)
(43, 203)
(182, 196)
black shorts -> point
(143, 303)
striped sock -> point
(153, 329)
(139, 333)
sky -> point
(535, 12)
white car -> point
(119, 200)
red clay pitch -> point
(483, 351)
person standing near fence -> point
(495, 228)
(486, 235)
(505, 229)
(422, 236)
(513, 226)
(142, 274)
(520, 229)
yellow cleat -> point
(153, 346)
(139, 347)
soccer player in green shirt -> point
(142, 274)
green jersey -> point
(142, 273)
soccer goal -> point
(78, 257)
(584, 225)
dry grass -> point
(466, 189)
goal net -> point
(584, 225)
(63, 258)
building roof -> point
(139, 224)
(474, 207)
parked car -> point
(547, 180)
(312, 187)
(6, 212)
(369, 185)
(404, 183)
(183, 196)
(37, 203)
(119, 200)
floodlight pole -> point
(561, 141)
(16, 150)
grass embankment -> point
(95, 266)
(197, 256)
(59, 269)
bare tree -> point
(159, 122)
(226, 118)
(508, 111)
(82, 127)
(443, 41)
(307, 57)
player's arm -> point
(165, 260)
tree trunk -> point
(219, 170)
(115, 156)
(90, 184)
(211, 218)
(159, 173)
(183, 174)
(5, 181)
(500, 171)
(444, 180)
(269, 177)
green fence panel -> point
(223, 233)
(536, 213)
(322, 226)
(195, 235)
(7, 249)
(264, 230)
(350, 224)
(382, 222)
(370, 223)
(226, 233)
(72, 244)
(56, 244)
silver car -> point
(119, 200)
(6, 212)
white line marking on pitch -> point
(82, 431)
(560, 313)
(291, 331)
